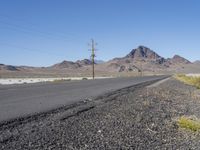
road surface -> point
(23, 100)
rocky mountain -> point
(146, 54)
(143, 58)
(143, 52)
(178, 60)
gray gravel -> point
(132, 118)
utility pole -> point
(93, 44)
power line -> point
(16, 19)
(31, 35)
(31, 30)
(25, 29)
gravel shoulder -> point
(139, 117)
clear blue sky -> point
(44, 32)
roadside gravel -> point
(138, 117)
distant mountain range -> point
(140, 59)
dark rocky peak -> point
(143, 52)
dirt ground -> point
(138, 117)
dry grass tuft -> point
(194, 81)
(189, 123)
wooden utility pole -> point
(92, 57)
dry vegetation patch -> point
(194, 81)
(189, 123)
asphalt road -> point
(22, 100)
